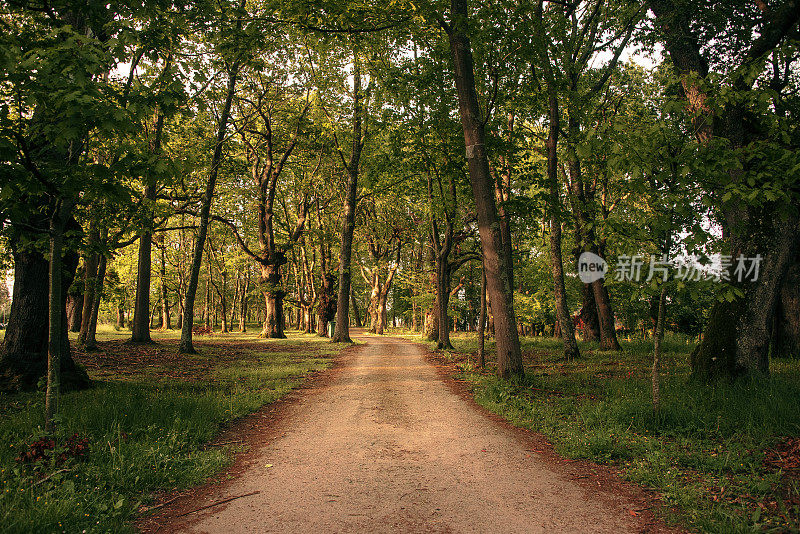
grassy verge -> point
(141, 429)
(725, 458)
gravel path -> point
(387, 446)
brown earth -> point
(386, 442)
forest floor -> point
(152, 423)
(388, 442)
(724, 457)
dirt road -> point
(387, 446)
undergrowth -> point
(714, 452)
(141, 435)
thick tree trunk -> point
(588, 314)
(382, 302)
(75, 301)
(509, 356)
(74, 312)
(443, 303)
(186, 345)
(736, 339)
(374, 299)
(342, 330)
(273, 299)
(23, 359)
(432, 315)
(608, 332)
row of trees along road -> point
(430, 164)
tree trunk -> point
(342, 330)
(787, 318)
(356, 311)
(659, 335)
(588, 314)
(509, 356)
(90, 282)
(140, 328)
(23, 359)
(326, 308)
(736, 339)
(608, 332)
(120, 317)
(90, 342)
(566, 326)
(166, 323)
(443, 302)
(482, 322)
(223, 312)
(273, 299)
(75, 302)
(243, 304)
(382, 299)
(186, 345)
(55, 318)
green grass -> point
(703, 451)
(145, 434)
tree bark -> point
(443, 302)
(140, 327)
(588, 314)
(566, 326)
(90, 343)
(273, 299)
(186, 345)
(23, 358)
(243, 303)
(787, 319)
(75, 301)
(342, 330)
(482, 322)
(659, 335)
(166, 321)
(90, 283)
(55, 318)
(356, 311)
(509, 355)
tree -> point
(186, 346)
(509, 356)
(341, 332)
(259, 135)
(731, 125)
